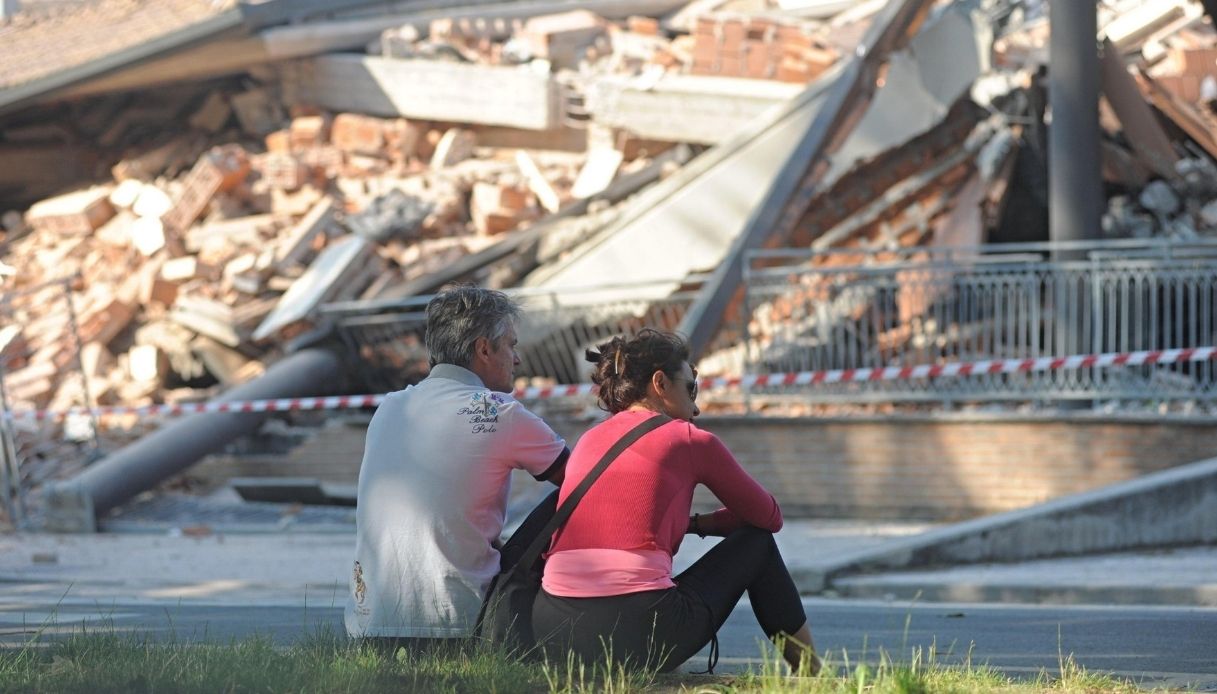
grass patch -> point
(102, 660)
(922, 673)
(322, 662)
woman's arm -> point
(746, 501)
(721, 523)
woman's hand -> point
(721, 523)
(695, 526)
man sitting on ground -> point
(435, 477)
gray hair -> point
(458, 316)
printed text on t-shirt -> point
(483, 412)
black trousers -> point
(662, 628)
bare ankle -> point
(800, 653)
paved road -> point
(1155, 645)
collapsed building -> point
(250, 181)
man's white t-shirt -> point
(433, 490)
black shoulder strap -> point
(568, 507)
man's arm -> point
(533, 445)
(556, 472)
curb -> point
(928, 590)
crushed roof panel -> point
(34, 45)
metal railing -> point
(555, 329)
(853, 308)
(40, 365)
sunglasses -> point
(690, 385)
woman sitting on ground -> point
(608, 588)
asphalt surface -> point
(1150, 616)
(1154, 646)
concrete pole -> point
(73, 505)
(1075, 186)
(8, 8)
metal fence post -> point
(749, 364)
(80, 363)
(10, 469)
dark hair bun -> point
(624, 366)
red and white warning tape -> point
(801, 378)
(342, 402)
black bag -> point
(505, 619)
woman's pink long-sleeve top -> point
(622, 535)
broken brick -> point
(309, 131)
(73, 213)
(219, 169)
(356, 133)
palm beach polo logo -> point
(483, 412)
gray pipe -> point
(73, 505)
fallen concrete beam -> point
(1171, 508)
(425, 89)
(74, 505)
(711, 109)
(1142, 128)
(313, 38)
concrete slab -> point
(425, 89)
(711, 108)
(1170, 508)
(339, 271)
(1185, 576)
(700, 208)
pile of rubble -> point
(211, 248)
(1159, 164)
(189, 274)
(980, 176)
(212, 244)
(1182, 87)
(179, 285)
(723, 43)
